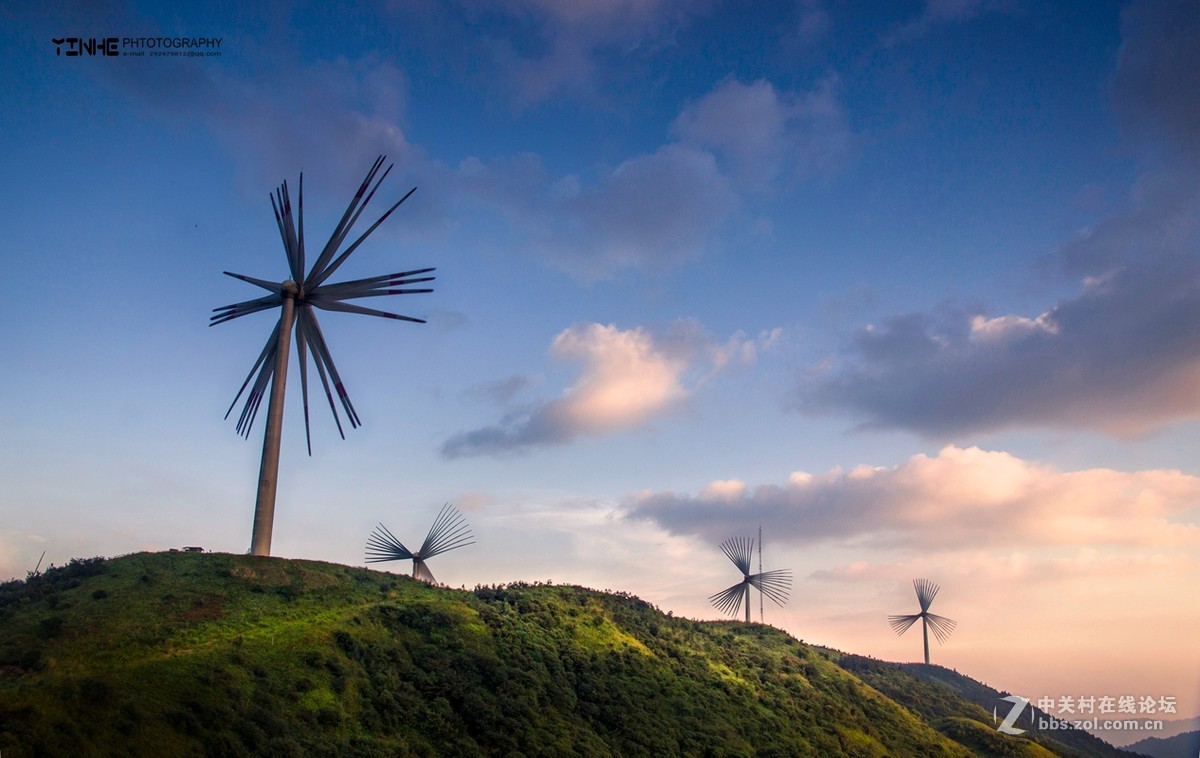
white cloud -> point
(1006, 327)
(726, 489)
(626, 378)
(960, 499)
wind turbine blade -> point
(301, 355)
(449, 531)
(327, 297)
(310, 319)
(774, 584)
(400, 277)
(299, 275)
(942, 627)
(258, 390)
(276, 202)
(382, 546)
(342, 258)
(244, 308)
(281, 204)
(900, 624)
(352, 308)
(275, 287)
(730, 600)
(322, 349)
(316, 276)
(739, 550)
(291, 244)
(926, 592)
(373, 286)
(272, 340)
(339, 232)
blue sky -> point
(912, 285)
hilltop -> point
(182, 653)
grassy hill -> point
(193, 654)
(955, 704)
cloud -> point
(650, 211)
(1154, 85)
(570, 38)
(330, 118)
(942, 12)
(1121, 356)
(662, 208)
(760, 132)
(627, 377)
(653, 209)
(502, 391)
(960, 499)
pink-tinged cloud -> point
(626, 378)
(960, 499)
(1064, 567)
(761, 133)
(1121, 357)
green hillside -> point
(193, 654)
(956, 704)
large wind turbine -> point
(942, 626)
(774, 584)
(297, 296)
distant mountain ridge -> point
(186, 653)
(1182, 745)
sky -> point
(913, 286)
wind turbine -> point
(942, 626)
(297, 296)
(774, 584)
(449, 531)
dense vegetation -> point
(957, 706)
(190, 654)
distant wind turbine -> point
(296, 296)
(942, 626)
(774, 584)
(449, 532)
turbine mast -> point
(925, 634)
(760, 595)
(268, 473)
